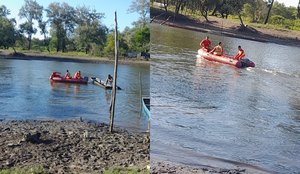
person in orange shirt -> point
(205, 44)
(240, 54)
(218, 50)
(77, 75)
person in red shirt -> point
(240, 54)
(205, 44)
(77, 75)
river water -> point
(26, 92)
(218, 115)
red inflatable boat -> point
(55, 77)
(224, 59)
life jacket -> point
(241, 53)
(77, 75)
(218, 50)
(205, 43)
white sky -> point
(288, 3)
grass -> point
(289, 25)
(126, 171)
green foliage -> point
(279, 9)
(109, 49)
(141, 40)
(7, 33)
(277, 20)
(72, 30)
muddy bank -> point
(71, 146)
(158, 166)
(30, 56)
(219, 26)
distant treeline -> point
(257, 11)
(70, 29)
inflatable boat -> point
(244, 63)
(55, 77)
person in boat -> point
(217, 50)
(205, 44)
(77, 75)
(109, 80)
(68, 75)
(240, 54)
(55, 74)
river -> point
(26, 92)
(219, 115)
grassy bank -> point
(228, 27)
(68, 56)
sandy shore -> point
(40, 56)
(71, 146)
(219, 26)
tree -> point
(7, 31)
(255, 10)
(142, 7)
(4, 12)
(270, 4)
(140, 40)
(31, 10)
(90, 31)
(109, 48)
(63, 21)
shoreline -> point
(160, 166)
(71, 146)
(217, 26)
(4, 54)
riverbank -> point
(4, 54)
(158, 167)
(219, 26)
(71, 146)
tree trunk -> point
(29, 41)
(269, 11)
(299, 9)
(166, 3)
(240, 17)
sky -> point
(288, 3)
(101, 6)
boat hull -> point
(224, 59)
(146, 106)
(101, 83)
(60, 79)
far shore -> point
(224, 27)
(4, 54)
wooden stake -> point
(112, 112)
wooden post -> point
(112, 111)
(141, 97)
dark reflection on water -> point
(209, 109)
(27, 93)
